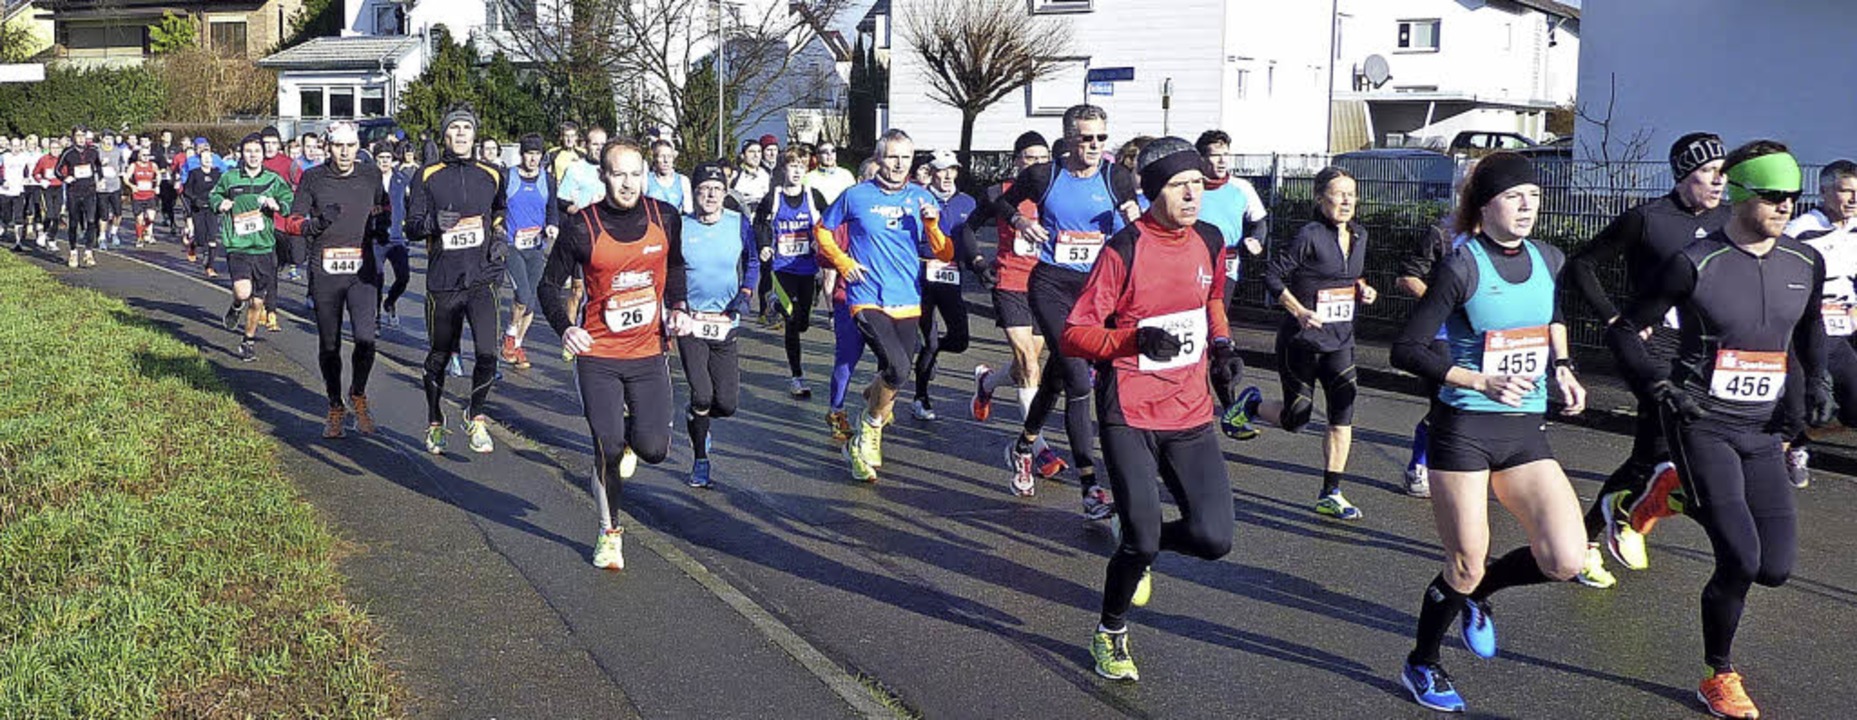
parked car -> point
(1482, 142)
(1556, 149)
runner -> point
(274, 158)
(170, 190)
(583, 186)
(562, 156)
(770, 154)
(397, 174)
(456, 205)
(1080, 204)
(941, 281)
(15, 171)
(721, 266)
(1232, 205)
(295, 250)
(1317, 280)
(79, 167)
(664, 182)
(885, 222)
(1831, 229)
(1414, 273)
(110, 193)
(491, 152)
(197, 193)
(629, 249)
(847, 341)
(1647, 236)
(830, 181)
(786, 220)
(1152, 317)
(246, 199)
(1744, 300)
(534, 220)
(1013, 260)
(144, 199)
(751, 183)
(51, 195)
(341, 211)
(1495, 296)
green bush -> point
(101, 98)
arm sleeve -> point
(418, 208)
(551, 210)
(1254, 209)
(1603, 249)
(218, 194)
(1809, 340)
(751, 258)
(1412, 351)
(280, 191)
(676, 282)
(762, 223)
(1645, 310)
(688, 193)
(1259, 228)
(1283, 263)
(567, 254)
(1418, 264)
(1122, 183)
(1030, 185)
(1087, 334)
(499, 205)
(825, 236)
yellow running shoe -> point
(1112, 658)
(628, 463)
(1593, 572)
(1144, 589)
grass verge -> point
(154, 561)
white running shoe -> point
(609, 550)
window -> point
(309, 100)
(1418, 35)
(228, 38)
(341, 102)
(1054, 94)
(387, 20)
(505, 14)
(1042, 7)
(373, 101)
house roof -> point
(343, 53)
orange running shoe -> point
(363, 421)
(508, 353)
(1724, 697)
(841, 426)
(1654, 504)
(337, 415)
(982, 405)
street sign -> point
(22, 73)
(1112, 74)
(1102, 88)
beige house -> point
(116, 32)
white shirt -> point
(750, 187)
(15, 167)
(1838, 244)
(830, 182)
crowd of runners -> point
(1110, 282)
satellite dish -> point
(1375, 70)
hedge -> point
(101, 98)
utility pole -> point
(722, 52)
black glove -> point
(324, 217)
(1227, 367)
(1677, 401)
(1821, 405)
(447, 220)
(737, 306)
(983, 269)
(1156, 343)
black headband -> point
(1496, 174)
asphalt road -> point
(791, 591)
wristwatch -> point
(1563, 363)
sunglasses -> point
(1099, 137)
(1776, 197)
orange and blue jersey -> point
(882, 229)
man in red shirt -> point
(51, 195)
(142, 178)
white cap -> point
(342, 132)
(943, 159)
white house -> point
(1417, 72)
(1742, 70)
(1258, 69)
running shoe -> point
(211, 273)
(1725, 698)
(1335, 506)
(1658, 501)
(1431, 687)
(72, 263)
(234, 316)
(841, 426)
(1418, 481)
(247, 351)
(1593, 572)
(1096, 503)
(390, 318)
(871, 438)
(338, 416)
(455, 367)
(796, 388)
(508, 351)
(191, 256)
(270, 321)
(1796, 470)
(1479, 628)
(90, 261)
(1048, 463)
(921, 409)
(435, 438)
(628, 463)
(1111, 653)
(861, 469)
(982, 405)
(1144, 590)
(1234, 422)
(1021, 465)
(1625, 544)
(292, 273)
(364, 422)
(699, 474)
(609, 550)
(479, 430)
(522, 358)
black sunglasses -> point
(1776, 197)
(1099, 137)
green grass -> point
(154, 561)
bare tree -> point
(1619, 163)
(974, 52)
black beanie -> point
(1030, 139)
(1164, 158)
(1693, 151)
(252, 138)
(532, 142)
(1496, 174)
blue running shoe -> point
(1431, 687)
(1234, 422)
(699, 475)
(1479, 628)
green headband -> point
(1778, 171)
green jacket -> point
(244, 190)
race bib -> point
(341, 261)
(467, 234)
(631, 309)
(145, 186)
(81, 172)
(109, 171)
(249, 222)
(1335, 304)
(529, 239)
(1187, 325)
(711, 326)
(1516, 351)
(1748, 376)
(1023, 247)
(792, 245)
(1078, 247)
(1231, 267)
(943, 273)
(1837, 319)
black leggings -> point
(940, 299)
(1301, 367)
(713, 370)
(206, 232)
(892, 340)
(396, 256)
(82, 209)
(1053, 291)
(799, 289)
(1736, 478)
(609, 389)
(361, 298)
(446, 313)
(1193, 467)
